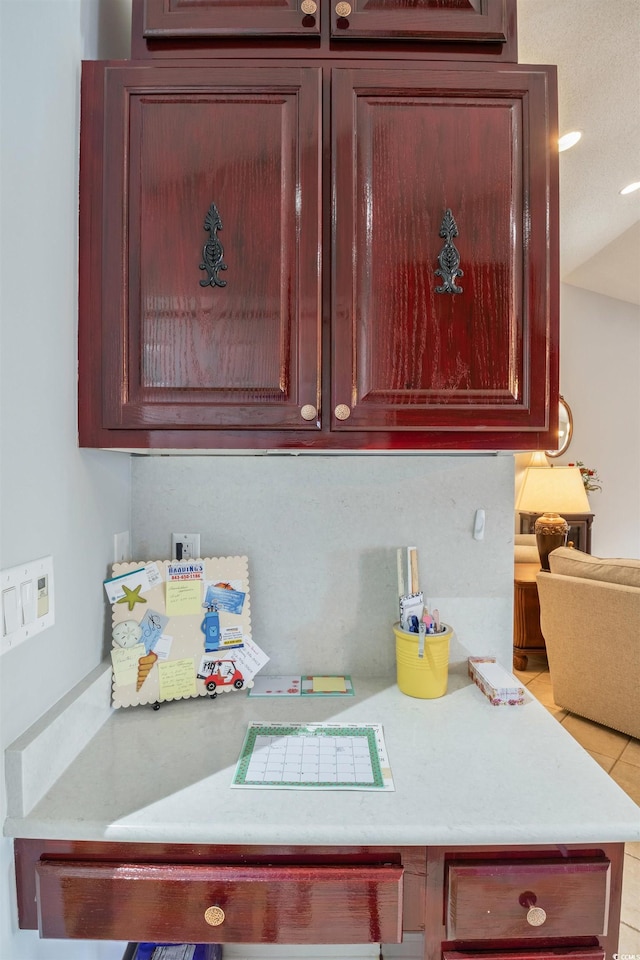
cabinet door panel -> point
(466, 20)
(165, 19)
(241, 351)
(408, 147)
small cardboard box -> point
(499, 687)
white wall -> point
(600, 378)
(55, 499)
(599, 364)
(321, 534)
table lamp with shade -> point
(553, 493)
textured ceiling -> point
(596, 46)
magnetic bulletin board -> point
(181, 629)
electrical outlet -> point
(185, 546)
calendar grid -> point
(322, 756)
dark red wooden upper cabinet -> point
(220, 166)
(170, 19)
(403, 219)
(466, 21)
(472, 21)
(444, 245)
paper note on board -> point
(162, 648)
(248, 658)
(125, 663)
(114, 587)
(184, 597)
(177, 679)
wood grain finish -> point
(448, 20)
(260, 904)
(487, 901)
(424, 142)
(425, 884)
(469, 21)
(548, 953)
(29, 854)
(175, 353)
(222, 18)
(166, 364)
(527, 635)
(440, 860)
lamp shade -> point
(553, 489)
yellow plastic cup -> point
(424, 677)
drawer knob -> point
(214, 916)
(308, 7)
(308, 412)
(342, 412)
(536, 916)
(343, 9)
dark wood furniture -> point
(472, 901)
(450, 29)
(579, 528)
(381, 217)
(527, 635)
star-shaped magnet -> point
(131, 596)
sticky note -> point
(184, 597)
(177, 679)
(329, 685)
(125, 663)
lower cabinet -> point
(471, 903)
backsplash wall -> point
(321, 534)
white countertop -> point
(465, 773)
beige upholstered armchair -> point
(590, 619)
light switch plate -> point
(26, 594)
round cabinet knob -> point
(214, 916)
(536, 916)
(308, 412)
(343, 9)
(342, 411)
(308, 7)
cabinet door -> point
(210, 271)
(475, 21)
(430, 166)
(168, 19)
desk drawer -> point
(219, 904)
(525, 900)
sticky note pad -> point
(177, 679)
(329, 685)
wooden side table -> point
(527, 636)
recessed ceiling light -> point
(631, 187)
(568, 140)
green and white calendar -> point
(324, 756)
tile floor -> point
(619, 755)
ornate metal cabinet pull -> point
(449, 257)
(212, 252)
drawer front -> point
(219, 904)
(550, 953)
(515, 900)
